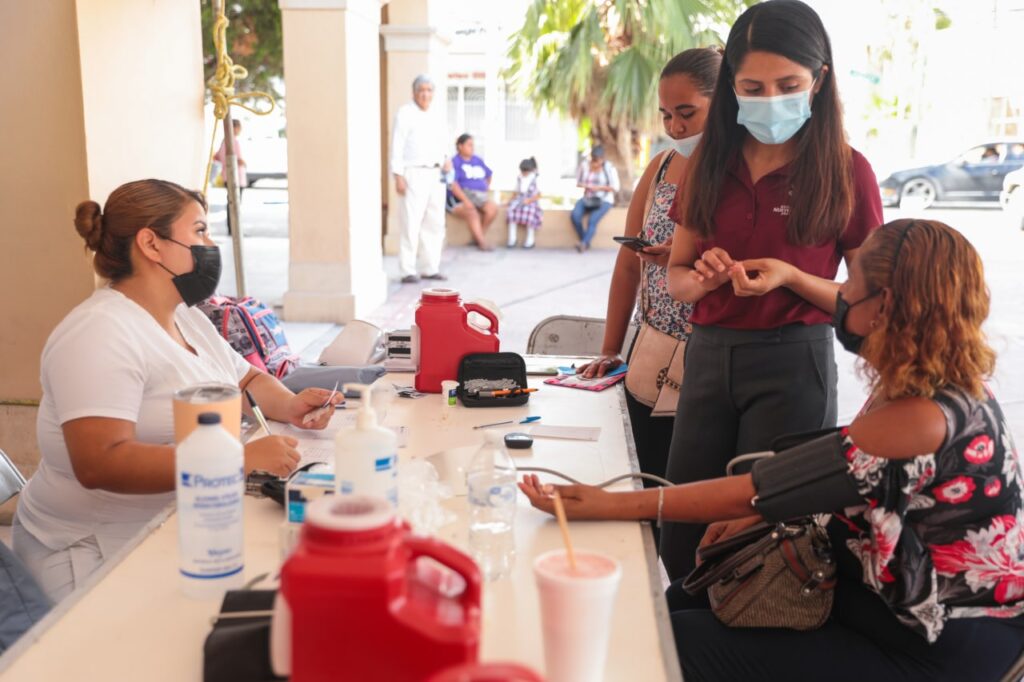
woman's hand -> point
(758, 276)
(657, 254)
(274, 454)
(311, 400)
(600, 365)
(580, 501)
(723, 530)
(712, 268)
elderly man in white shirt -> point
(417, 162)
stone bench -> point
(556, 232)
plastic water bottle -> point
(210, 487)
(491, 484)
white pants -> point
(421, 216)
(58, 573)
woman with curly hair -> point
(924, 488)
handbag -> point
(655, 371)
(592, 202)
(780, 575)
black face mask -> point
(201, 283)
(848, 340)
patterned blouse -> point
(942, 535)
(663, 312)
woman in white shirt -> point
(109, 370)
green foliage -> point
(601, 58)
(254, 41)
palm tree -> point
(597, 61)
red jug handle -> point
(449, 557)
(486, 312)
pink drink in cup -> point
(576, 613)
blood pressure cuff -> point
(809, 478)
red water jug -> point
(446, 336)
(361, 606)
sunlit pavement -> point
(530, 285)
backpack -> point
(254, 331)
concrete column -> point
(412, 45)
(332, 75)
(111, 91)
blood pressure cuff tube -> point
(810, 478)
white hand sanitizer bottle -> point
(366, 457)
(210, 485)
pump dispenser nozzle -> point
(366, 416)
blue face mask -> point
(774, 120)
(686, 145)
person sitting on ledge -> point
(109, 371)
(471, 188)
(924, 488)
(599, 181)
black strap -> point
(664, 166)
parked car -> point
(975, 175)
(1012, 196)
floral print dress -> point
(942, 535)
(655, 305)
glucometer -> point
(518, 441)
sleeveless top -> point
(942, 535)
(655, 305)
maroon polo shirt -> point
(750, 222)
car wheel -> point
(918, 193)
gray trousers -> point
(741, 390)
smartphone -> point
(634, 243)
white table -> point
(132, 623)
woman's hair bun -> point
(89, 223)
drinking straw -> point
(563, 523)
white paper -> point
(568, 432)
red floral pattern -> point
(980, 450)
(930, 543)
(957, 491)
(989, 559)
(993, 487)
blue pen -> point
(530, 420)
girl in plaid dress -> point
(524, 209)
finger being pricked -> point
(742, 284)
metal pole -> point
(231, 184)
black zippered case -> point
(493, 367)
